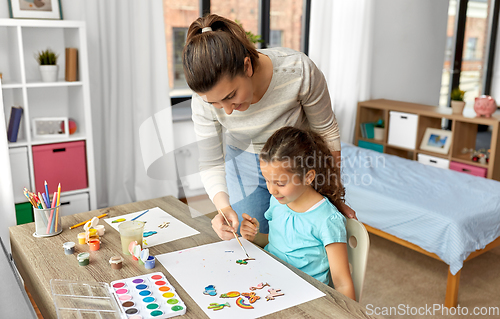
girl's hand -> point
(249, 227)
(223, 230)
(347, 211)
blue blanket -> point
(444, 212)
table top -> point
(41, 259)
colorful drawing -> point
(218, 306)
(210, 290)
(241, 262)
(241, 303)
(149, 233)
(252, 297)
(231, 294)
(259, 286)
(119, 220)
(273, 293)
(164, 225)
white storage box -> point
(73, 204)
(20, 172)
(402, 129)
(433, 161)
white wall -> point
(409, 40)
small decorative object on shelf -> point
(378, 130)
(457, 101)
(50, 127)
(436, 140)
(48, 65)
(485, 106)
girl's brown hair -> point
(209, 56)
(306, 150)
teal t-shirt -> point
(300, 238)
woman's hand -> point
(347, 211)
(220, 226)
(249, 227)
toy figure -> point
(210, 290)
(218, 306)
(259, 286)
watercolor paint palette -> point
(148, 296)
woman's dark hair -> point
(209, 56)
(306, 150)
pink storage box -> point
(468, 169)
(63, 163)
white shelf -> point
(21, 86)
(52, 84)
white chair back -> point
(358, 245)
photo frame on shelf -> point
(436, 140)
(35, 9)
(50, 127)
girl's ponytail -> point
(215, 47)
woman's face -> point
(231, 95)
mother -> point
(249, 94)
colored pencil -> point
(47, 194)
(235, 236)
(140, 215)
(83, 223)
(52, 214)
(58, 203)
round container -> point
(69, 248)
(93, 234)
(81, 238)
(47, 221)
(150, 263)
(116, 262)
(131, 231)
(100, 229)
(94, 244)
(83, 259)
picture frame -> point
(436, 140)
(35, 9)
(50, 127)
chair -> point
(358, 244)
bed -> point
(444, 214)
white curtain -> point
(340, 45)
(129, 87)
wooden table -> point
(41, 259)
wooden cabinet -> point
(464, 132)
(22, 86)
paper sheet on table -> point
(156, 216)
(215, 264)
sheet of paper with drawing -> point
(167, 227)
(198, 269)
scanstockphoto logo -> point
(434, 310)
(189, 158)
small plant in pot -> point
(47, 59)
(378, 130)
(457, 101)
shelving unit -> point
(464, 132)
(22, 86)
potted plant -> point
(47, 59)
(457, 101)
(378, 130)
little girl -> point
(305, 228)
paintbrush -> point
(235, 236)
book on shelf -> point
(16, 113)
(71, 71)
(367, 130)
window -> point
(275, 39)
(470, 65)
(178, 15)
(286, 23)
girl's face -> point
(232, 95)
(284, 185)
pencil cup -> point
(47, 221)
